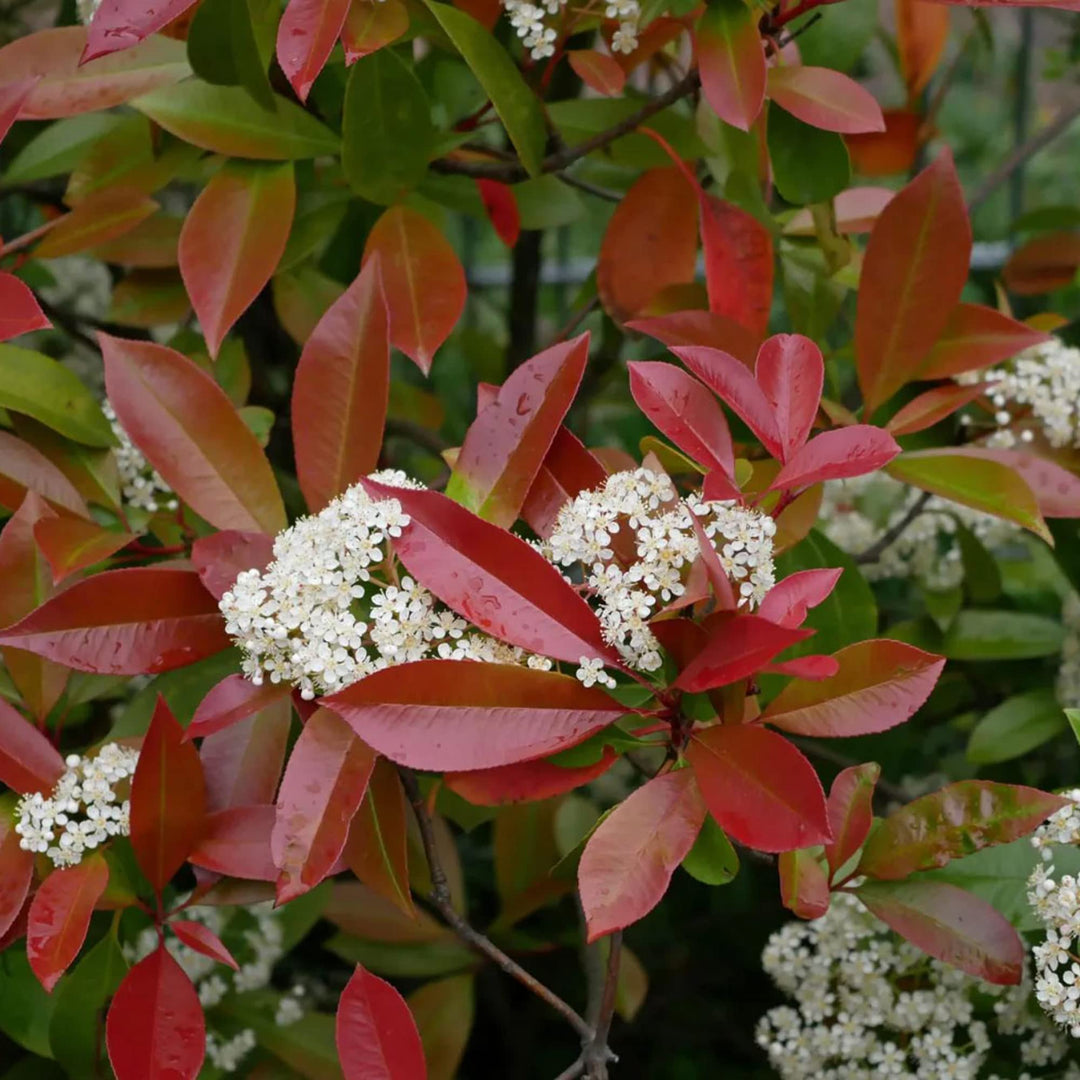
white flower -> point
(141, 486)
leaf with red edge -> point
(189, 430)
(341, 390)
(649, 244)
(814, 666)
(371, 25)
(16, 873)
(457, 715)
(916, 265)
(28, 761)
(505, 447)
(72, 544)
(100, 217)
(851, 811)
(599, 71)
(804, 885)
(413, 253)
(376, 1035)
(323, 785)
(628, 861)
(242, 764)
(738, 264)
(714, 572)
(834, 455)
(758, 787)
(19, 310)
(168, 799)
(701, 328)
(568, 469)
(120, 24)
(23, 468)
(951, 925)
(856, 210)
(685, 411)
(501, 207)
(527, 781)
(933, 406)
(1056, 489)
(881, 683)
(230, 701)
(955, 821)
(232, 241)
(977, 337)
(12, 96)
(922, 32)
(787, 602)
(155, 1029)
(139, 621)
(59, 916)
(202, 939)
(731, 59)
(236, 842)
(493, 578)
(825, 99)
(221, 557)
(306, 36)
(1043, 264)
(791, 373)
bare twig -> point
(576, 320)
(874, 551)
(589, 189)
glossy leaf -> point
(804, 885)
(72, 544)
(567, 470)
(323, 785)
(24, 468)
(60, 916)
(456, 715)
(788, 601)
(1019, 724)
(412, 251)
(198, 936)
(922, 31)
(236, 842)
(371, 25)
(731, 60)
(791, 373)
(16, 873)
(851, 811)
(1056, 489)
(701, 328)
(856, 210)
(100, 217)
(190, 432)
(759, 788)
(220, 557)
(20, 312)
(628, 861)
(834, 455)
(501, 207)
(1001, 635)
(712, 860)
(526, 781)
(249, 27)
(599, 71)
(28, 761)
(377, 1038)
(738, 264)
(242, 764)
(233, 699)
(809, 165)
(933, 406)
(825, 99)
(881, 683)
(306, 35)
(1042, 265)
(976, 337)
(13, 96)
(120, 24)
(443, 1011)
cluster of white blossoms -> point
(868, 1004)
(533, 23)
(645, 507)
(1068, 679)
(141, 486)
(255, 938)
(83, 810)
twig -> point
(576, 320)
(597, 1054)
(440, 897)
(875, 550)
(589, 189)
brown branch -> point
(875, 550)
(590, 189)
(593, 1061)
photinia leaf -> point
(758, 787)
(701, 328)
(809, 165)
(977, 337)
(856, 210)
(444, 1012)
(155, 1029)
(851, 811)
(804, 885)
(1043, 264)
(100, 217)
(628, 861)
(12, 97)
(505, 447)
(20, 312)
(950, 924)
(323, 785)
(599, 71)
(59, 916)
(230, 701)
(791, 374)
(222, 556)
(120, 24)
(24, 468)
(376, 1035)
(306, 36)
(242, 764)
(731, 59)
(834, 455)
(412, 252)
(28, 761)
(236, 842)
(527, 781)
(568, 469)
(143, 620)
(184, 423)
(955, 821)
(371, 25)
(788, 601)
(232, 241)
(501, 207)
(1056, 489)
(457, 715)
(922, 32)
(197, 936)
(16, 873)
(249, 26)
(824, 99)
(814, 666)
(933, 406)
(72, 544)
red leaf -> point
(28, 761)
(306, 36)
(230, 701)
(232, 240)
(242, 764)
(856, 211)
(203, 940)
(506, 445)
(236, 842)
(915, 266)
(323, 786)
(825, 99)
(72, 544)
(738, 646)
(23, 469)
(19, 310)
(16, 873)
(168, 799)
(1043, 264)
(806, 667)
(787, 602)
(220, 558)
(685, 411)
(922, 32)
(851, 811)
(102, 216)
(502, 209)
(568, 469)
(12, 96)
(731, 60)
(527, 781)
(190, 432)
(60, 916)
(804, 885)
(628, 861)
(932, 406)
(340, 391)
(950, 924)
(120, 24)
(888, 152)
(155, 1028)
(143, 620)
(1056, 489)
(791, 373)
(759, 788)
(377, 1037)
(493, 578)
(455, 715)
(738, 264)
(598, 70)
(371, 25)
(833, 455)
(714, 571)
(413, 253)
(977, 337)
(881, 683)
(701, 328)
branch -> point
(875, 550)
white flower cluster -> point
(1042, 382)
(869, 1004)
(141, 486)
(82, 811)
(1068, 679)
(855, 513)
(660, 528)
(533, 24)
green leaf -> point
(1017, 725)
(226, 120)
(809, 165)
(837, 38)
(1073, 716)
(412, 961)
(982, 578)
(387, 135)
(1002, 635)
(712, 860)
(247, 26)
(59, 147)
(40, 387)
(517, 106)
(547, 203)
(25, 1008)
